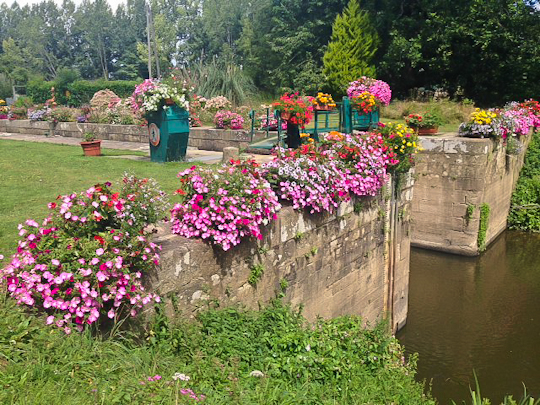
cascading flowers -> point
(224, 205)
(483, 124)
(296, 109)
(401, 144)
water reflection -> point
(478, 314)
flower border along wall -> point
(232, 203)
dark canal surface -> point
(479, 314)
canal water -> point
(480, 314)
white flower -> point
(179, 376)
(256, 373)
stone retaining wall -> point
(452, 174)
(346, 263)
(201, 138)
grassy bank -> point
(231, 356)
(451, 112)
(525, 207)
(33, 174)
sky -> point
(114, 3)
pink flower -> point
(100, 251)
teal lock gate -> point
(168, 132)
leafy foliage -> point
(525, 206)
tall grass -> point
(220, 79)
(232, 356)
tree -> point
(351, 48)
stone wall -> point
(346, 263)
(201, 138)
(452, 174)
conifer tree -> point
(351, 48)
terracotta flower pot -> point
(92, 148)
(322, 108)
(428, 131)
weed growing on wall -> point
(257, 271)
(483, 227)
(469, 213)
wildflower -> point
(179, 376)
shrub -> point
(79, 92)
(228, 120)
(62, 114)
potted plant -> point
(91, 145)
(482, 124)
(165, 105)
(297, 111)
(424, 124)
(323, 102)
(367, 95)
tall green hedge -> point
(79, 92)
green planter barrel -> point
(363, 121)
(168, 132)
(353, 119)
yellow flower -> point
(409, 144)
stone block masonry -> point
(355, 261)
(455, 176)
(201, 138)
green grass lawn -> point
(33, 174)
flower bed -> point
(85, 262)
(225, 119)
